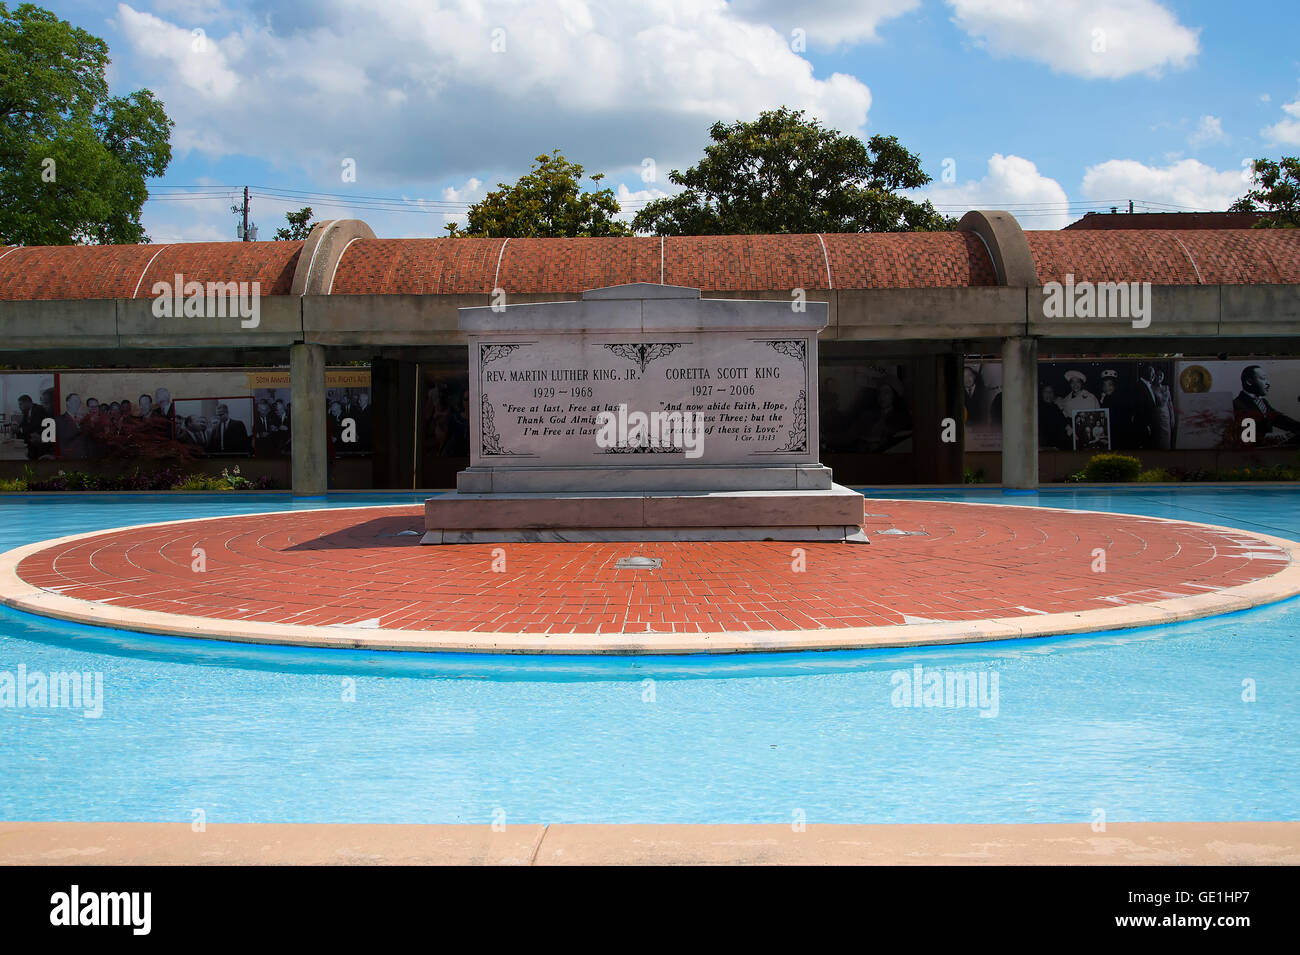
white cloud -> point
(1090, 38)
(415, 93)
(210, 220)
(1286, 130)
(632, 201)
(1010, 183)
(196, 58)
(191, 220)
(472, 191)
(1188, 184)
(1208, 130)
(826, 23)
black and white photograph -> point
(865, 409)
(1136, 394)
(25, 403)
(1091, 430)
(219, 427)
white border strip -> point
(826, 256)
(338, 262)
(1190, 258)
(146, 270)
(496, 276)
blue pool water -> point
(1143, 724)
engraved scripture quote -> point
(563, 401)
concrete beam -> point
(277, 324)
(928, 313)
(81, 323)
(1172, 311)
(308, 421)
(378, 320)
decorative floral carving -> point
(644, 353)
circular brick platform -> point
(934, 573)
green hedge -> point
(1111, 468)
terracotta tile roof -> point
(736, 263)
(1169, 256)
(909, 260)
(119, 271)
(712, 263)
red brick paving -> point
(352, 566)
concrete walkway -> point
(1146, 843)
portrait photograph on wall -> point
(1136, 394)
(216, 426)
(1091, 430)
(137, 414)
(1216, 398)
(442, 428)
(347, 402)
(866, 408)
(982, 403)
(272, 421)
(26, 401)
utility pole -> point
(243, 230)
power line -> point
(449, 207)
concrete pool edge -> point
(18, 594)
(1122, 843)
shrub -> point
(1110, 468)
(166, 479)
(199, 482)
(1276, 472)
(230, 480)
(1156, 476)
(64, 481)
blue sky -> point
(1043, 107)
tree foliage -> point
(300, 225)
(783, 173)
(73, 159)
(1276, 193)
(545, 203)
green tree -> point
(783, 173)
(545, 203)
(1276, 193)
(73, 160)
(300, 225)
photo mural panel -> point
(866, 408)
(1140, 398)
(170, 414)
(27, 400)
(1216, 397)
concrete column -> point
(1020, 413)
(310, 442)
